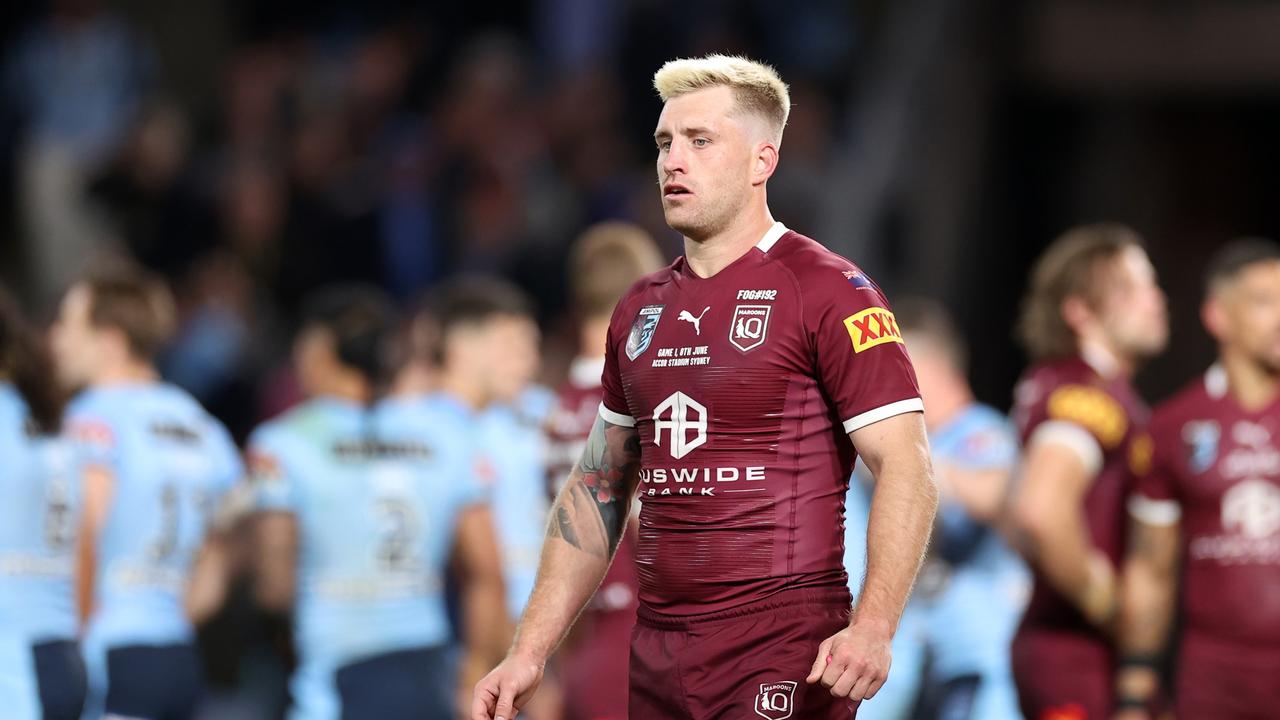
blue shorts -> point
(403, 684)
(157, 682)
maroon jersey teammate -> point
(1210, 502)
(605, 261)
(737, 384)
(1092, 313)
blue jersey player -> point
(154, 466)
(972, 589)
(364, 506)
(41, 674)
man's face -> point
(705, 154)
(1132, 308)
(511, 345)
(76, 343)
(1247, 313)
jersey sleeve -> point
(94, 439)
(861, 362)
(273, 480)
(1082, 417)
(1155, 498)
(613, 407)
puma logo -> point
(697, 321)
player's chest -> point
(1231, 462)
(713, 341)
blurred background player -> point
(155, 466)
(951, 655)
(364, 506)
(1209, 501)
(41, 672)
(1092, 314)
(488, 357)
(604, 263)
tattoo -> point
(591, 511)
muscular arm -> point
(1147, 600)
(896, 451)
(587, 521)
(1048, 514)
(275, 559)
(99, 484)
(487, 628)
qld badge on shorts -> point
(646, 323)
(775, 700)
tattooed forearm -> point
(591, 511)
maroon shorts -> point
(1063, 675)
(1226, 680)
(749, 662)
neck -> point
(593, 336)
(125, 372)
(1105, 358)
(464, 388)
(1253, 386)
(945, 403)
(352, 388)
(711, 254)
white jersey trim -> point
(1161, 513)
(585, 372)
(1074, 438)
(884, 412)
(771, 238)
(616, 418)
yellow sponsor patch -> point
(1140, 452)
(1092, 409)
(872, 327)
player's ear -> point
(1214, 318)
(765, 162)
(1075, 312)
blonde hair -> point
(756, 86)
(1071, 267)
(606, 260)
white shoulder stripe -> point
(1161, 513)
(884, 412)
(771, 237)
(616, 418)
(1073, 437)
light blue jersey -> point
(171, 463)
(376, 494)
(39, 517)
(512, 446)
(971, 620)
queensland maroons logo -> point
(749, 326)
(776, 701)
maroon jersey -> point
(744, 387)
(1070, 402)
(1216, 466)
(577, 407)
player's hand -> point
(504, 691)
(854, 663)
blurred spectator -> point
(77, 78)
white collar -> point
(1100, 359)
(1216, 383)
(771, 237)
(585, 372)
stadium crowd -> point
(312, 375)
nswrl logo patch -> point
(642, 330)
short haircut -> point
(1231, 259)
(134, 301)
(26, 363)
(470, 302)
(757, 87)
(605, 261)
(930, 319)
(360, 319)
(1071, 267)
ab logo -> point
(776, 699)
(678, 416)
